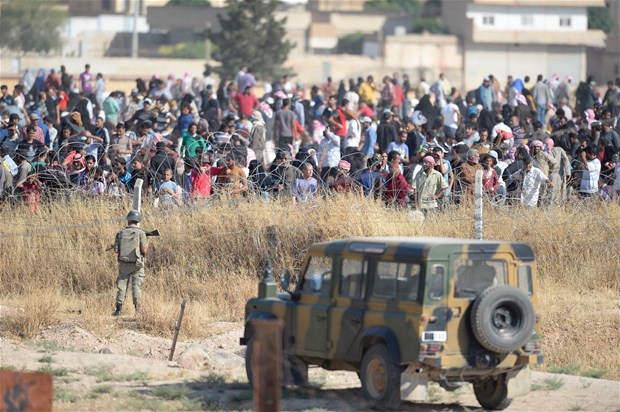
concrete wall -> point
(426, 56)
(90, 37)
(103, 23)
(504, 60)
(121, 72)
(346, 23)
(297, 22)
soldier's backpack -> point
(128, 245)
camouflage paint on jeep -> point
(333, 326)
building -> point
(335, 5)
(97, 7)
(605, 63)
(522, 37)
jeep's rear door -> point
(394, 303)
(472, 272)
(347, 314)
(312, 309)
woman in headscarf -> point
(187, 82)
(516, 88)
(563, 90)
(523, 110)
(85, 108)
(553, 84)
(258, 137)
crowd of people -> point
(194, 138)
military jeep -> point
(405, 311)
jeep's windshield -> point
(318, 276)
(475, 275)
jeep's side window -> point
(436, 284)
(525, 279)
(408, 281)
(353, 277)
(385, 280)
(318, 276)
(394, 279)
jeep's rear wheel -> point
(380, 376)
(502, 318)
(294, 370)
(492, 393)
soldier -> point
(130, 245)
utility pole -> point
(134, 37)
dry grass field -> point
(54, 264)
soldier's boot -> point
(119, 308)
(138, 307)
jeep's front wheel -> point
(380, 376)
(492, 393)
(294, 370)
(249, 350)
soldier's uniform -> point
(129, 244)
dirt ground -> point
(131, 372)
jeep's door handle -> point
(321, 316)
(355, 321)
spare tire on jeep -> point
(502, 318)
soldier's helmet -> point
(134, 216)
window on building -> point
(565, 21)
(527, 21)
(106, 5)
(488, 20)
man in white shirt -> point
(591, 168)
(329, 153)
(531, 179)
(451, 117)
(354, 134)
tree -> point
(599, 18)
(422, 21)
(352, 43)
(31, 25)
(413, 7)
(251, 36)
(204, 3)
(427, 24)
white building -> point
(522, 37)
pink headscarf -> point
(204, 124)
(257, 116)
(521, 99)
(590, 117)
(549, 143)
(266, 109)
(536, 143)
(513, 150)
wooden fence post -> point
(267, 364)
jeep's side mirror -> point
(285, 280)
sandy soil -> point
(131, 372)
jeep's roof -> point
(420, 246)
